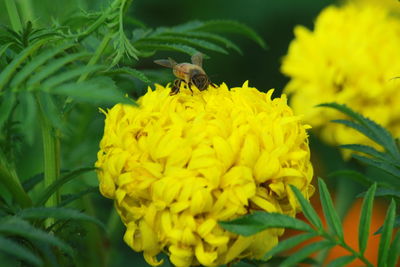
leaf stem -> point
(99, 51)
(347, 247)
(51, 153)
(13, 15)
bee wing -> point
(197, 59)
(164, 63)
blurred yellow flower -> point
(351, 57)
(393, 5)
(176, 165)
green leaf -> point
(167, 47)
(384, 166)
(30, 183)
(36, 62)
(188, 41)
(342, 261)
(355, 175)
(305, 252)
(394, 251)
(383, 192)
(7, 73)
(369, 128)
(259, 221)
(396, 225)
(13, 248)
(232, 26)
(99, 90)
(3, 48)
(365, 218)
(288, 244)
(133, 72)
(68, 75)
(57, 213)
(66, 199)
(386, 236)
(307, 209)
(207, 36)
(52, 111)
(329, 211)
(51, 189)
(54, 66)
(19, 227)
(369, 151)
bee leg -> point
(175, 87)
(213, 85)
(190, 87)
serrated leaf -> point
(342, 261)
(99, 90)
(331, 216)
(369, 128)
(187, 26)
(168, 47)
(384, 166)
(19, 227)
(288, 244)
(307, 209)
(365, 218)
(13, 248)
(51, 189)
(259, 221)
(207, 36)
(58, 213)
(53, 112)
(232, 26)
(386, 235)
(305, 252)
(68, 75)
(369, 151)
(394, 251)
(133, 72)
(54, 66)
(7, 73)
(37, 61)
(188, 41)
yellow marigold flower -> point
(351, 57)
(176, 165)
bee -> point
(191, 73)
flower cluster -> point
(351, 57)
(177, 165)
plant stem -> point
(27, 11)
(51, 154)
(9, 179)
(99, 51)
(348, 248)
(13, 15)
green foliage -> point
(333, 236)
(48, 72)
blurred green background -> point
(272, 20)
